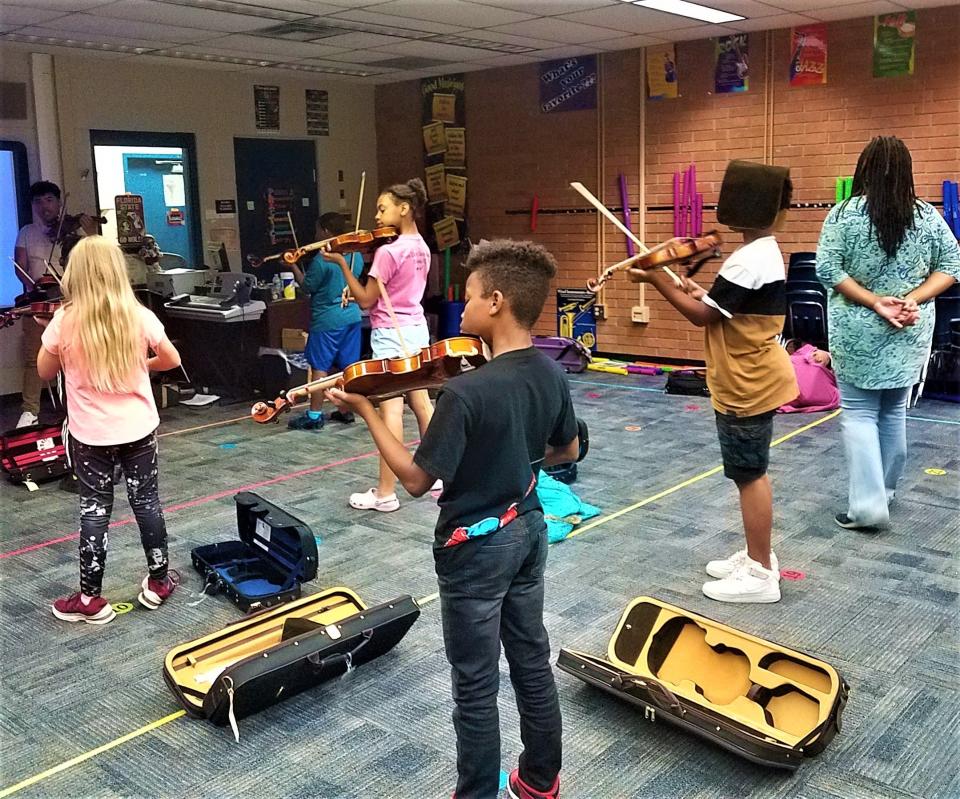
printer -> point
(176, 281)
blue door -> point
(161, 181)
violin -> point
(44, 310)
(360, 241)
(71, 222)
(384, 378)
(693, 251)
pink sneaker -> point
(71, 608)
(156, 592)
(518, 789)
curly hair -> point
(520, 270)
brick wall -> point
(514, 151)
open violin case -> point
(760, 700)
(275, 554)
(281, 652)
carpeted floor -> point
(881, 608)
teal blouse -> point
(868, 351)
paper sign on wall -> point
(434, 140)
(446, 232)
(436, 183)
(808, 66)
(893, 44)
(456, 195)
(662, 80)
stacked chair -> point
(806, 302)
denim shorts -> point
(385, 342)
(745, 444)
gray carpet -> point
(881, 608)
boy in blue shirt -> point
(334, 340)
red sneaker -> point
(71, 608)
(156, 592)
(518, 789)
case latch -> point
(333, 631)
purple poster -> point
(732, 71)
(569, 84)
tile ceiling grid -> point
(385, 40)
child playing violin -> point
(492, 431)
(334, 339)
(99, 338)
(748, 373)
(398, 325)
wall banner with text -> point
(732, 68)
(569, 84)
(808, 64)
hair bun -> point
(416, 186)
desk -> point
(281, 314)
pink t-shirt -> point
(100, 418)
(402, 267)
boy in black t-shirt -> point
(492, 431)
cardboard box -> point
(293, 339)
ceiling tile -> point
(151, 44)
(560, 30)
(447, 52)
(548, 8)
(15, 16)
(771, 23)
(489, 35)
(40, 47)
(628, 18)
(201, 18)
(509, 60)
(629, 42)
(255, 46)
(358, 56)
(303, 6)
(451, 12)
(565, 51)
(87, 23)
(333, 64)
(187, 63)
(701, 32)
(747, 8)
(65, 6)
(417, 27)
(809, 5)
(361, 41)
(855, 10)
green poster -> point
(893, 44)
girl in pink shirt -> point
(99, 338)
(400, 268)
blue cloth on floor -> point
(562, 509)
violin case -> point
(760, 700)
(32, 454)
(568, 352)
(281, 652)
(275, 554)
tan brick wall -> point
(514, 151)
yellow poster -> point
(456, 147)
(662, 83)
(456, 195)
(434, 140)
(446, 232)
(436, 183)
(445, 107)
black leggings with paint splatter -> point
(94, 467)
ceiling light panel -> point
(685, 9)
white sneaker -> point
(749, 582)
(371, 500)
(27, 419)
(724, 568)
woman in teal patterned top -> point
(884, 255)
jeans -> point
(94, 469)
(497, 596)
(874, 424)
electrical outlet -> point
(640, 314)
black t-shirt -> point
(488, 437)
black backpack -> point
(691, 384)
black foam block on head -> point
(751, 194)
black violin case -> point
(281, 652)
(760, 700)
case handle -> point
(340, 658)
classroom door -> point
(160, 181)
(274, 178)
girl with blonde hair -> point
(99, 338)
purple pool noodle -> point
(676, 203)
(643, 370)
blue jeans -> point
(497, 596)
(874, 424)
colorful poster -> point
(446, 233)
(456, 196)
(436, 183)
(129, 209)
(732, 69)
(456, 148)
(266, 107)
(662, 83)
(569, 84)
(808, 64)
(318, 119)
(434, 139)
(894, 44)
(445, 107)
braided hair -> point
(884, 177)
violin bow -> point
(293, 232)
(584, 192)
(345, 294)
(21, 270)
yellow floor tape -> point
(426, 600)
